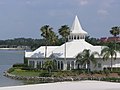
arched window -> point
(61, 65)
(58, 64)
(31, 64)
(68, 65)
(70, 37)
(77, 37)
(72, 65)
(39, 64)
(55, 64)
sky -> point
(24, 18)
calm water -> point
(7, 59)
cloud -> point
(104, 7)
(103, 12)
(61, 13)
(107, 3)
(28, 2)
(83, 2)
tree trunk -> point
(115, 42)
(45, 50)
(111, 62)
(88, 67)
(65, 62)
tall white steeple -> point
(76, 31)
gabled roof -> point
(40, 52)
(72, 48)
(77, 28)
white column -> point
(42, 64)
(28, 62)
(74, 64)
(68, 38)
(64, 65)
(60, 65)
(57, 65)
(35, 64)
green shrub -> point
(44, 73)
(79, 71)
(11, 70)
(107, 72)
(97, 72)
(29, 68)
(19, 65)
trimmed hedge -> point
(44, 73)
(19, 65)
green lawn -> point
(20, 72)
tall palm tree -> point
(46, 34)
(115, 31)
(109, 52)
(79, 59)
(53, 38)
(64, 31)
(86, 57)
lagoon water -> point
(7, 59)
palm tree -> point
(64, 31)
(79, 60)
(46, 34)
(86, 57)
(49, 65)
(53, 38)
(109, 52)
(115, 31)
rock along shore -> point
(44, 79)
(60, 79)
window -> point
(39, 64)
(68, 65)
(31, 64)
(72, 65)
(99, 65)
(58, 64)
(61, 65)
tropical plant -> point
(64, 31)
(115, 31)
(86, 57)
(79, 60)
(48, 65)
(109, 52)
(53, 38)
(46, 34)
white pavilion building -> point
(76, 44)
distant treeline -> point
(32, 43)
(35, 43)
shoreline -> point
(60, 79)
(11, 49)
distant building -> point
(110, 39)
(76, 44)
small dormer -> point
(77, 32)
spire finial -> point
(76, 27)
(77, 32)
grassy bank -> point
(20, 72)
(56, 76)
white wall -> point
(105, 63)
